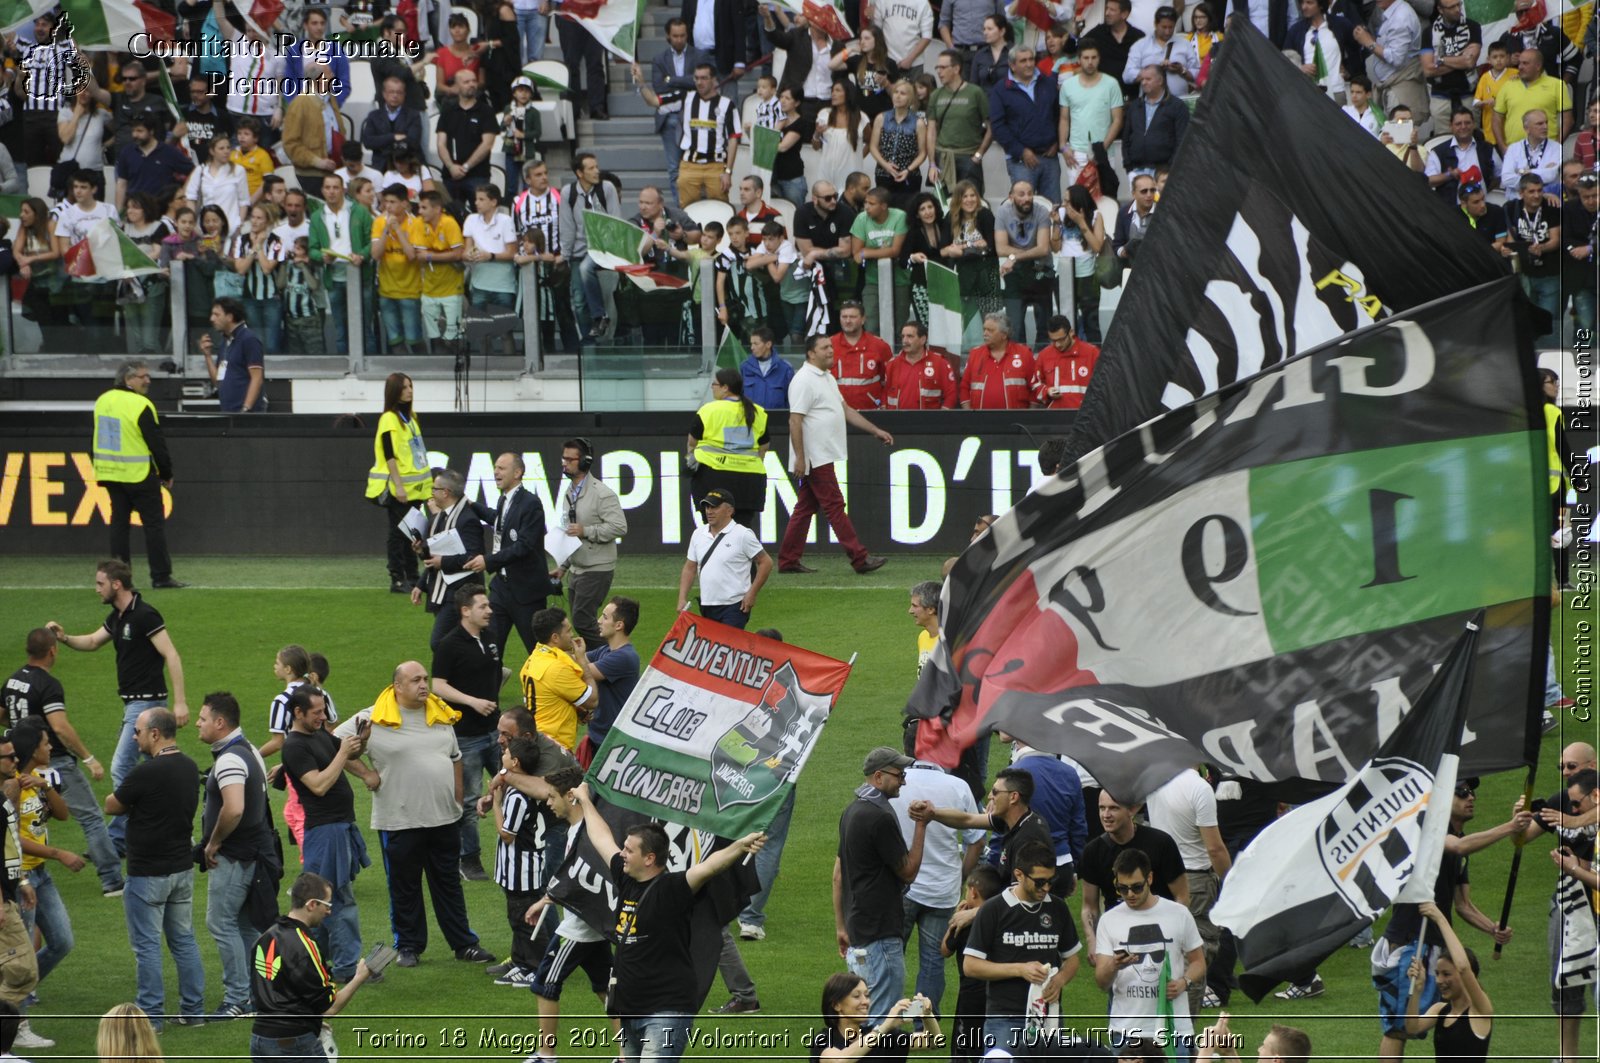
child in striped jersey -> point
(303, 301)
(521, 823)
(768, 113)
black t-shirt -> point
(1166, 863)
(653, 967)
(306, 753)
(896, 1044)
(471, 665)
(463, 130)
(1577, 230)
(1009, 931)
(32, 691)
(1406, 919)
(161, 796)
(1527, 228)
(141, 674)
(809, 224)
(1241, 818)
(871, 850)
(1447, 42)
(1030, 828)
(206, 126)
(788, 164)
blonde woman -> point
(127, 1036)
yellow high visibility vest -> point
(1552, 425)
(728, 443)
(121, 454)
(410, 453)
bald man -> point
(1574, 825)
(416, 810)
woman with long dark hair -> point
(1463, 1019)
(38, 261)
(728, 445)
(845, 1006)
(1085, 231)
(400, 479)
(924, 221)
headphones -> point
(585, 454)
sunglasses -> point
(1131, 889)
(1588, 180)
(1041, 882)
(1566, 765)
(828, 199)
(1470, 187)
(1465, 791)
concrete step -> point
(617, 126)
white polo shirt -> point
(725, 573)
(815, 394)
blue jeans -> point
(588, 301)
(124, 759)
(930, 925)
(402, 320)
(227, 885)
(79, 795)
(671, 132)
(1583, 305)
(755, 913)
(1045, 177)
(505, 300)
(479, 753)
(338, 313)
(1546, 294)
(306, 1047)
(265, 318)
(532, 28)
(50, 916)
(164, 904)
(882, 963)
(791, 188)
(662, 1036)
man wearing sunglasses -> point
(1132, 941)
(1023, 937)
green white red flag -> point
(614, 23)
(717, 729)
(107, 254)
(946, 315)
(98, 25)
(828, 14)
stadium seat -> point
(472, 19)
(289, 177)
(38, 181)
(710, 210)
(1434, 142)
(497, 176)
(363, 87)
(785, 211)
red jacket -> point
(926, 384)
(1068, 372)
(1003, 385)
(859, 370)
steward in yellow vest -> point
(728, 443)
(132, 463)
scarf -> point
(386, 710)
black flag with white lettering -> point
(1266, 579)
(1316, 876)
(1283, 225)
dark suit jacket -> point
(1155, 146)
(795, 42)
(730, 32)
(463, 517)
(377, 134)
(1279, 14)
(520, 563)
(1343, 30)
(664, 81)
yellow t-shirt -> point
(32, 817)
(553, 683)
(441, 279)
(398, 276)
(925, 645)
(1489, 87)
(1515, 99)
(256, 165)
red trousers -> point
(819, 489)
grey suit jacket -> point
(668, 85)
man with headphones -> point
(591, 513)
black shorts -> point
(563, 956)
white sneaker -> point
(26, 1038)
(751, 932)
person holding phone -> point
(845, 1003)
(290, 988)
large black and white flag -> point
(1309, 882)
(1266, 579)
(1283, 226)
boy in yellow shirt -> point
(1489, 85)
(397, 236)
(443, 281)
(255, 159)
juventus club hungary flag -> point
(1266, 579)
(1310, 881)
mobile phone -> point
(913, 1010)
(380, 957)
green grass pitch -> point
(230, 624)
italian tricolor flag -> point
(1499, 17)
(614, 23)
(106, 254)
(766, 143)
(95, 25)
(946, 317)
(616, 245)
(825, 13)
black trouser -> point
(402, 559)
(408, 857)
(143, 498)
(522, 951)
(508, 613)
(564, 324)
(43, 143)
(578, 46)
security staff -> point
(727, 446)
(132, 463)
(400, 478)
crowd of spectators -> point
(440, 196)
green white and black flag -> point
(1266, 579)
(1309, 882)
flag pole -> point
(1519, 842)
